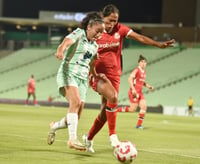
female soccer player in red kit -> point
(31, 90)
(109, 63)
(136, 97)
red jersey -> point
(110, 47)
(139, 79)
(31, 85)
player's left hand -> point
(151, 88)
(59, 56)
(168, 43)
(102, 76)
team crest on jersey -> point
(117, 36)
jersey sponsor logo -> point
(107, 45)
(141, 79)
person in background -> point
(50, 99)
(109, 63)
(31, 90)
(190, 104)
(136, 81)
(72, 77)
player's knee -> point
(76, 104)
(143, 107)
(113, 98)
(132, 109)
(143, 111)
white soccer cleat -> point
(88, 144)
(114, 140)
(51, 135)
(75, 144)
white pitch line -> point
(106, 145)
(41, 139)
(27, 137)
(181, 155)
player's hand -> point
(59, 56)
(134, 93)
(102, 76)
(135, 96)
(169, 43)
(151, 88)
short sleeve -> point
(75, 35)
(125, 30)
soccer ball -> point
(125, 152)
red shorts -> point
(137, 99)
(93, 82)
(31, 90)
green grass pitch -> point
(165, 139)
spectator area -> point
(182, 64)
(164, 66)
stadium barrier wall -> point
(166, 110)
(151, 109)
(180, 111)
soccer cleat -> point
(51, 135)
(37, 105)
(75, 144)
(139, 127)
(114, 140)
(88, 144)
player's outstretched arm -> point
(148, 41)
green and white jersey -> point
(79, 55)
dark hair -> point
(91, 19)
(109, 9)
(141, 58)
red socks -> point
(140, 119)
(96, 127)
(99, 123)
(111, 118)
(35, 102)
(123, 109)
